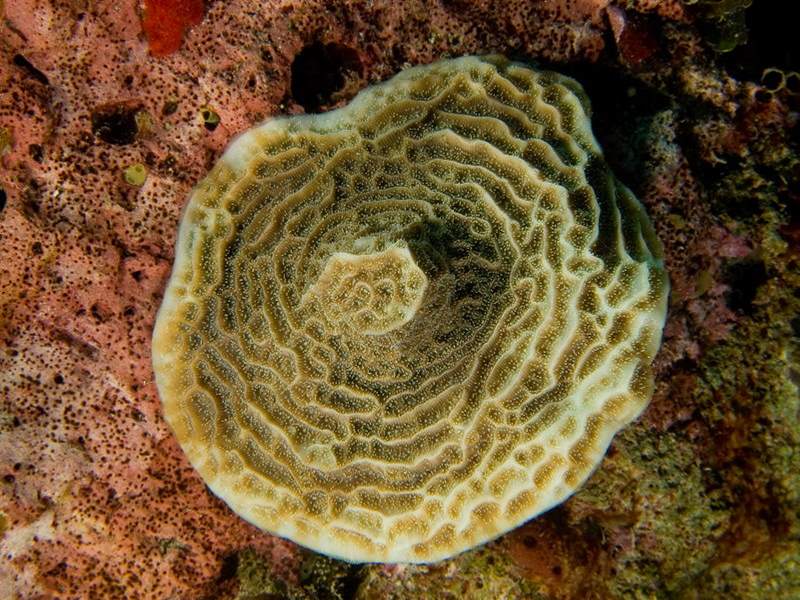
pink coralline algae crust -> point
(697, 247)
(96, 498)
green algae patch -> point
(678, 520)
(724, 22)
(256, 579)
(324, 577)
(167, 545)
(209, 117)
(317, 577)
(485, 573)
(135, 175)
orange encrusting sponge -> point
(165, 21)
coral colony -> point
(399, 329)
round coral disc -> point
(399, 329)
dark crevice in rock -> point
(115, 123)
(768, 30)
(321, 73)
(24, 64)
(744, 278)
(230, 564)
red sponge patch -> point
(165, 22)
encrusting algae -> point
(399, 329)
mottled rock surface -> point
(100, 143)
